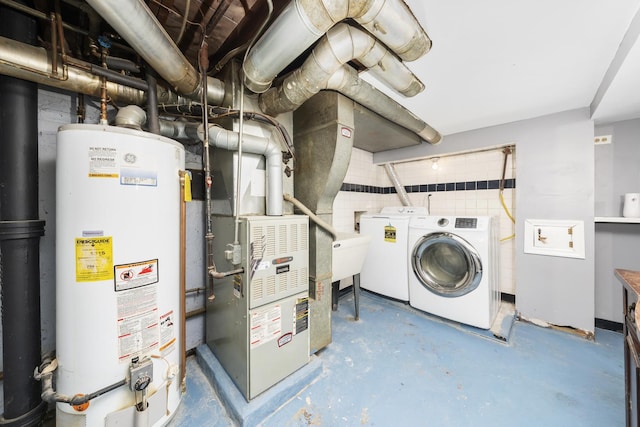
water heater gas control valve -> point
(141, 374)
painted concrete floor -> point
(399, 367)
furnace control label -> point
(94, 259)
(390, 233)
(266, 325)
(301, 315)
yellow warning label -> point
(390, 233)
(103, 175)
(94, 259)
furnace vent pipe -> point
(343, 43)
(393, 176)
(228, 140)
(303, 22)
(133, 20)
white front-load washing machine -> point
(453, 268)
(384, 270)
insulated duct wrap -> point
(303, 22)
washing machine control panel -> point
(466, 222)
(443, 222)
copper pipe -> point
(103, 91)
(183, 283)
(54, 45)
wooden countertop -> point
(631, 280)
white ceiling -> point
(499, 61)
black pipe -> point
(153, 121)
(20, 231)
(115, 77)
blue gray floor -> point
(398, 367)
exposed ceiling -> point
(492, 62)
(497, 61)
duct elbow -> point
(430, 135)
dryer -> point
(453, 268)
(384, 269)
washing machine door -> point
(446, 264)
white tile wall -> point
(464, 167)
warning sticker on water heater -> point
(94, 259)
(138, 325)
(134, 275)
(103, 162)
(266, 325)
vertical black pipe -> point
(20, 232)
(153, 120)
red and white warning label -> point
(266, 325)
(134, 275)
(138, 329)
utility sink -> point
(349, 252)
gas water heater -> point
(118, 275)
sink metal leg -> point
(356, 294)
(335, 293)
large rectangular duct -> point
(323, 139)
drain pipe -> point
(315, 218)
(20, 231)
(133, 20)
(393, 176)
(303, 22)
(343, 43)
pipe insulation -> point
(133, 20)
(343, 43)
(393, 176)
(303, 22)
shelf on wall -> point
(617, 219)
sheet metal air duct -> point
(393, 176)
(20, 231)
(343, 43)
(347, 82)
(228, 140)
(303, 22)
(133, 20)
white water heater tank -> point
(117, 274)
